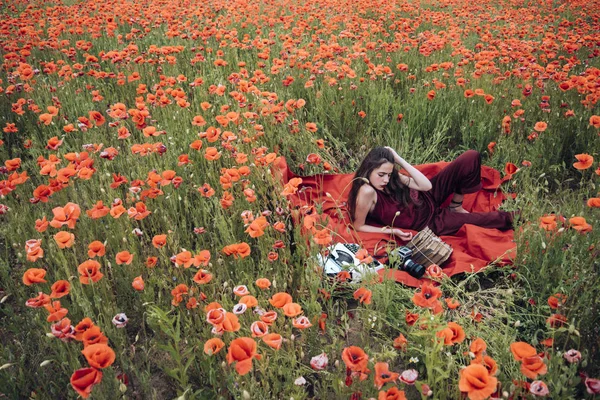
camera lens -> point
(415, 270)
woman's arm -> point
(365, 199)
(418, 181)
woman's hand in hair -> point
(419, 181)
(394, 154)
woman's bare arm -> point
(419, 181)
(365, 199)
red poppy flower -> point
(428, 297)
(383, 375)
(99, 355)
(584, 161)
(242, 351)
(476, 381)
(522, 350)
(355, 359)
(213, 346)
(34, 275)
(84, 379)
(273, 340)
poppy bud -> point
(245, 395)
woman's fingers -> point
(404, 235)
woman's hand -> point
(419, 181)
(406, 236)
(394, 153)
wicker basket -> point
(429, 249)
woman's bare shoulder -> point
(367, 192)
(366, 199)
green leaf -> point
(173, 373)
(169, 349)
(189, 362)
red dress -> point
(463, 176)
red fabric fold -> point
(474, 247)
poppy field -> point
(149, 251)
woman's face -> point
(380, 177)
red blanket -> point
(474, 247)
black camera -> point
(406, 264)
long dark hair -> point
(375, 159)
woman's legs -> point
(461, 176)
(447, 222)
